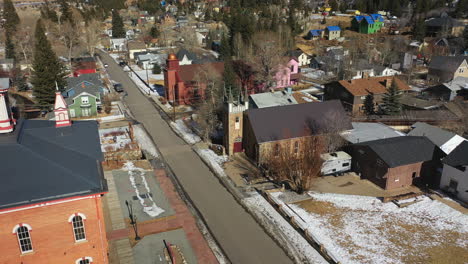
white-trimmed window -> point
(84, 260)
(77, 221)
(24, 237)
(85, 100)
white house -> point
(147, 61)
(455, 172)
(130, 34)
(118, 44)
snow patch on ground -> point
(145, 141)
(142, 73)
(214, 160)
(141, 85)
(115, 56)
(303, 252)
(149, 207)
(182, 130)
(114, 138)
(360, 229)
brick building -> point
(184, 84)
(52, 184)
(260, 131)
(352, 93)
(397, 162)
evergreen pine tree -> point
(156, 69)
(66, 12)
(10, 15)
(118, 30)
(9, 47)
(369, 104)
(225, 49)
(419, 29)
(47, 69)
(229, 78)
(154, 32)
(391, 100)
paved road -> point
(241, 238)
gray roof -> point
(269, 99)
(74, 83)
(42, 163)
(443, 21)
(292, 121)
(446, 63)
(183, 52)
(399, 151)
(363, 132)
(94, 78)
(457, 83)
(459, 156)
(437, 135)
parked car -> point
(122, 63)
(118, 87)
(106, 65)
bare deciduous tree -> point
(91, 36)
(208, 109)
(296, 163)
(268, 56)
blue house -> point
(314, 34)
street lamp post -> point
(130, 212)
(135, 228)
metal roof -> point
(437, 135)
(41, 162)
(270, 99)
(363, 132)
(333, 28)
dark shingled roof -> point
(292, 121)
(446, 63)
(41, 162)
(399, 151)
(435, 134)
(459, 156)
(443, 22)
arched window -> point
(84, 260)
(77, 221)
(277, 150)
(24, 237)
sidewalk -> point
(182, 219)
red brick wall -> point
(402, 176)
(52, 235)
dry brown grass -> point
(415, 243)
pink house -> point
(287, 75)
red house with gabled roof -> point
(52, 185)
(84, 65)
(183, 83)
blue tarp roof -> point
(315, 32)
(359, 18)
(377, 17)
(334, 28)
(369, 19)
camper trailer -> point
(335, 163)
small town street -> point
(240, 236)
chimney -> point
(6, 122)
(62, 118)
(388, 82)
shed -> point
(335, 163)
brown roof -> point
(187, 73)
(302, 98)
(375, 85)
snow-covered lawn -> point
(144, 140)
(142, 73)
(214, 160)
(303, 252)
(360, 229)
(182, 130)
(137, 178)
